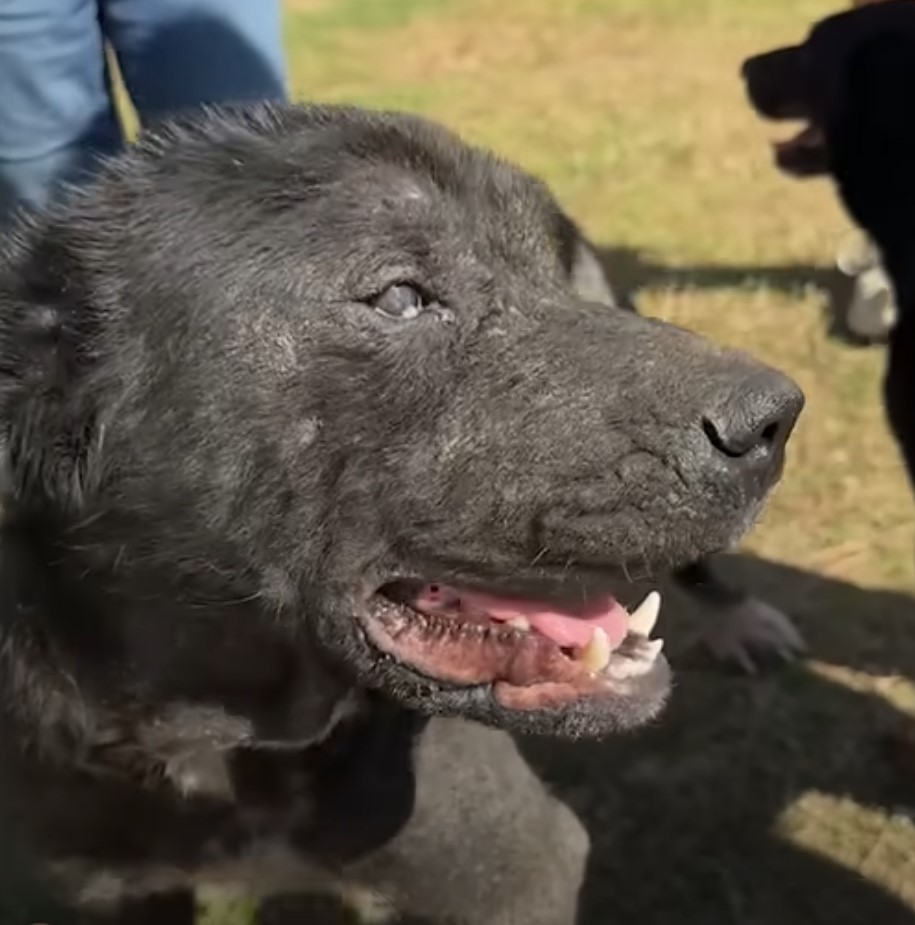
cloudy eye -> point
(401, 302)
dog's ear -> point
(47, 349)
(580, 261)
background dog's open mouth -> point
(533, 654)
(804, 154)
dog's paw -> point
(752, 633)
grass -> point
(756, 802)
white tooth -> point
(596, 654)
(644, 617)
(520, 623)
(651, 650)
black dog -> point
(854, 80)
(865, 309)
(307, 437)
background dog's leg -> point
(739, 628)
(487, 842)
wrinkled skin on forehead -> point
(220, 443)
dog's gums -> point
(533, 655)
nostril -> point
(737, 436)
(714, 437)
(750, 423)
(725, 440)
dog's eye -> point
(402, 302)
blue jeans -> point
(56, 110)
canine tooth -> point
(644, 617)
(596, 654)
(652, 650)
(520, 623)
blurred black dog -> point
(864, 307)
(780, 87)
(307, 437)
(853, 80)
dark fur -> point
(215, 447)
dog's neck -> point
(872, 141)
(156, 686)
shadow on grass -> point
(631, 270)
(687, 819)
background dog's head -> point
(319, 376)
(808, 81)
(854, 78)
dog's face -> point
(329, 364)
(810, 81)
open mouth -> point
(532, 654)
(804, 154)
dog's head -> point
(810, 81)
(327, 367)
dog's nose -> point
(761, 89)
(751, 422)
(775, 83)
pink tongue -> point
(569, 630)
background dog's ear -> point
(47, 348)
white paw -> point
(751, 632)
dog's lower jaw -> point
(640, 703)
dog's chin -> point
(526, 665)
(573, 715)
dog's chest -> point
(106, 841)
(270, 820)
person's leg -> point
(179, 54)
(55, 110)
